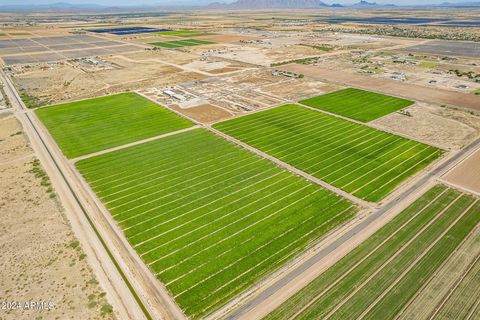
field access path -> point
(291, 168)
(260, 300)
(133, 293)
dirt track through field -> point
(443, 282)
(406, 90)
(370, 254)
(398, 253)
(115, 274)
(123, 146)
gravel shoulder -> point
(45, 262)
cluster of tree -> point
(311, 60)
(470, 74)
(410, 32)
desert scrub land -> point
(97, 124)
(41, 258)
(209, 218)
(382, 275)
(363, 161)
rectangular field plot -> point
(208, 217)
(183, 33)
(92, 125)
(357, 104)
(453, 292)
(181, 43)
(379, 278)
(447, 48)
(365, 162)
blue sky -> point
(201, 2)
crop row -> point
(208, 217)
(358, 159)
(380, 276)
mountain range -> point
(239, 4)
(307, 4)
(256, 4)
(286, 4)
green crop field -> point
(181, 43)
(208, 217)
(183, 33)
(357, 104)
(378, 278)
(165, 45)
(88, 126)
(365, 162)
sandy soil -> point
(65, 82)
(44, 261)
(299, 89)
(446, 127)
(38, 31)
(226, 37)
(259, 55)
(172, 56)
(467, 174)
(419, 93)
(216, 66)
(205, 113)
(418, 69)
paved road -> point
(110, 275)
(320, 255)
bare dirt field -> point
(217, 66)
(41, 31)
(298, 89)
(467, 174)
(450, 128)
(235, 93)
(391, 87)
(205, 113)
(43, 261)
(466, 49)
(178, 57)
(64, 81)
(226, 37)
(260, 55)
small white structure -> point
(174, 95)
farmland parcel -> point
(183, 33)
(208, 217)
(357, 104)
(181, 43)
(93, 125)
(363, 161)
(378, 279)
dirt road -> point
(127, 291)
(291, 168)
(419, 93)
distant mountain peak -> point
(364, 3)
(265, 4)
